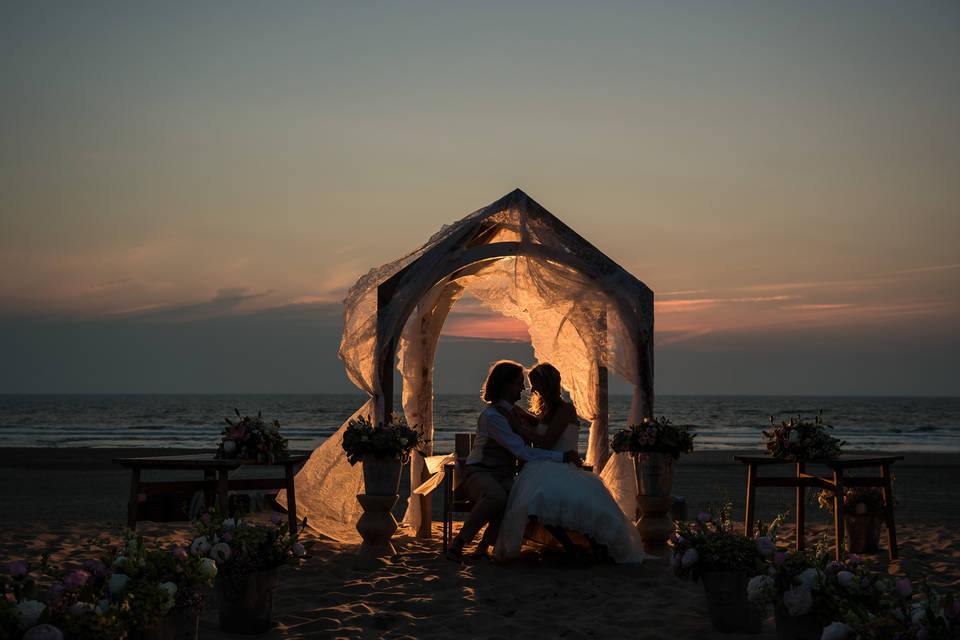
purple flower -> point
(226, 537)
(854, 559)
(206, 518)
(275, 519)
(779, 557)
(703, 517)
(95, 567)
(904, 587)
(180, 553)
(17, 569)
(76, 580)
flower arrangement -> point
(802, 440)
(848, 600)
(393, 441)
(710, 543)
(250, 438)
(653, 435)
(127, 591)
(856, 500)
(148, 584)
(239, 547)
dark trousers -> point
(489, 490)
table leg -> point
(291, 499)
(751, 499)
(209, 489)
(801, 506)
(888, 512)
(838, 511)
(223, 483)
(134, 495)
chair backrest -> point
(462, 444)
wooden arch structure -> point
(434, 275)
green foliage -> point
(251, 439)
(802, 440)
(710, 543)
(391, 441)
(653, 435)
(239, 547)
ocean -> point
(890, 424)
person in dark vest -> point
(492, 463)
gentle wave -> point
(720, 422)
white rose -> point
(119, 562)
(299, 549)
(229, 523)
(794, 437)
(102, 607)
(208, 568)
(118, 582)
(760, 589)
(809, 578)
(170, 588)
(689, 558)
(229, 446)
(28, 611)
(847, 580)
(836, 631)
(43, 632)
(798, 601)
(916, 613)
(765, 546)
(200, 546)
(220, 552)
(132, 547)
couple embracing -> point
(551, 487)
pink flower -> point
(76, 580)
(904, 587)
(17, 569)
(779, 557)
(180, 554)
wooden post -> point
(801, 505)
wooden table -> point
(216, 479)
(836, 484)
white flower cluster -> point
(760, 589)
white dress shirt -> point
(493, 424)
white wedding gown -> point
(564, 495)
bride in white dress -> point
(562, 496)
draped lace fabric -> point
(582, 310)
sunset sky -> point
(187, 192)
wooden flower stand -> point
(376, 526)
(655, 525)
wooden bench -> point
(216, 480)
(837, 483)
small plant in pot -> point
(247, 556)
(383, 449)
(708, 548)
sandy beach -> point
(57, 499)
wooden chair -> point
(453, 499)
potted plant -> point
(655, 445)
(863, 512)
(158, 590)
(809, 592)
(802, 440)
(252, 439)
(247, 556)
(709, 549)
(383, 449)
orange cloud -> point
(492, 327)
